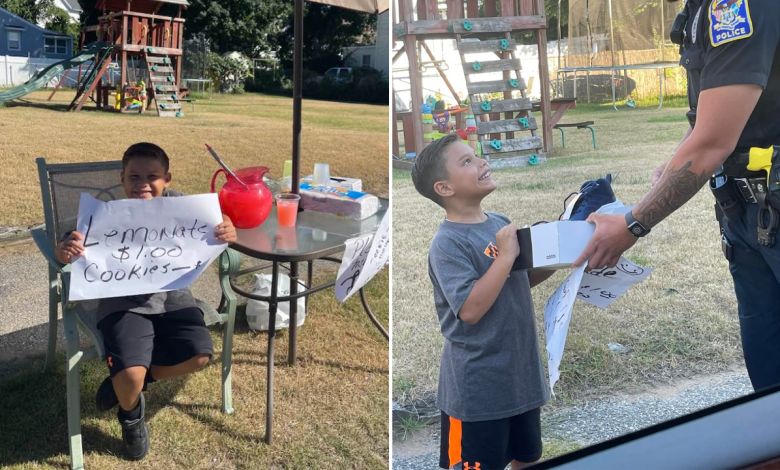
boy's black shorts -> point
(491, 445)
(167, 339)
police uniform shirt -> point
(735, 42)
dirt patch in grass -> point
(331, 410)
(682, 321)
(247, 130)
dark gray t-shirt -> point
(492, 369)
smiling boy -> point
(146, 337)
(491, 381)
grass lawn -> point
(331, 410)
(682, 321)
(247, 130)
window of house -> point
(55, 45)
(14, 40)
(366, 61)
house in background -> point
(21, 38)
(71, 7)
(376, 56)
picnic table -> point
(316, 236)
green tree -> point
(326, 31)
(27, 9)
(247, 26)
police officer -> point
(730, 50)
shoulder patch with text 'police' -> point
(729, 21)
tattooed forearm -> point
(674, 189)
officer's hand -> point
(506, 239)
(608, 243)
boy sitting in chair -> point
(147, 337)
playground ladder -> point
(162, 81)
(91, 78)
(487, 112)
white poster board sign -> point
(599, 287)
(363, 258)
(557, 315)
(135, 247)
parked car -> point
(339, 74)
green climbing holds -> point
(524, 122)
(467, 25)
(163, 105)
(486, 105)
(533, 160)
(399, 31)
(166, 61)
(477, 66)
(514, 83)
(504, 44)
(496, 144)
(154, 68)
(450, 28)
(170, 79)
(179, 114)
(174, 97)
(150, 50)
(158, 88)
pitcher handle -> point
(214, 179)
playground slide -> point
(44, 76)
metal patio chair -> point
(61, 186)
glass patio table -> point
(316, 236)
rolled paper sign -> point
(467, 25)
(486, 105)
(477, 66)
(514, 83)
(496, 144)
(524, 122)
(504, 44)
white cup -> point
(321, 174)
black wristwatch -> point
(635, 227)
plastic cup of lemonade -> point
(287, 209)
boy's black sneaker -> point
(135, 433)
(105, 398)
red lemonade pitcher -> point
(248, 204)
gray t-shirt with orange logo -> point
(492, 369)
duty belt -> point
(751, 175)
(751, 189)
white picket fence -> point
(17, 70)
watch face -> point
(636, 230)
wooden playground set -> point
(145, 46)
(502, 129)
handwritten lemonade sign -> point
(135, 247)
(363, 258)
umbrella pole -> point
(297, 93)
